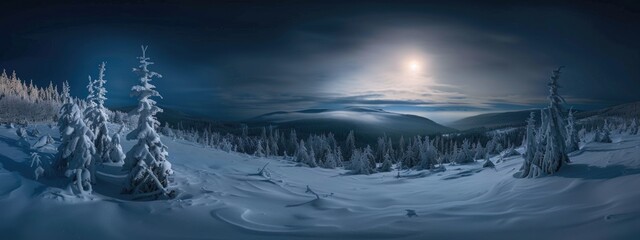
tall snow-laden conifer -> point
(531, 165)
(573, 140)
(66, 116)
(89, 110)
(146, 162)
(350, 144)
(555, 153)
(98, 117)
(76, 151)
(80, 153)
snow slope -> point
(596, 197)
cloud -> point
(230, 61)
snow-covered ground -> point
(596, 197)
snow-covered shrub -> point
(509, 152)
(34, 132)
(488, 164)
(21, 132)
(43, 141)
(36, 164)
(115, 150)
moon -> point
(413, 65)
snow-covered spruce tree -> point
(264, 142)
(147, 162)
(492, 145)
(312, 159)
(633, 127)
(167, 131)
(293, 142)
(555, 153)
(80, 152)
(76, 150)
(89, 110)
(603, 135)
(386, 163)
(480, 151)
(356, 165)
(573, 140)
(99, 118)
(597, 135)
(531, 165)
(259, 150)
(464, 155)
(410, 153)
(427, 154)
(330, 159)
(68, 112)
(273, 141)
(540, 136)
(401, 148)
(382, 149)
(350, 144)
(360, 162)
(306, 156)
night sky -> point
(235, 60)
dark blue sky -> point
(234, 60)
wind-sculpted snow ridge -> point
(236, 196)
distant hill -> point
(518, 118)
(627, 110)
(494, 120)
(367, 123)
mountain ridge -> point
(367, 123)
